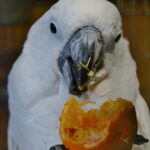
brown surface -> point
(3, 125)
(139, 38)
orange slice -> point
(111, 127)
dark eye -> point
(118, 38)
(53, 28)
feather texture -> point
(37, 90)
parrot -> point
(76, 48)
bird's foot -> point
(139, 140)
(58, 147)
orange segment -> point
(111, 127)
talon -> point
(139, 140)
(58, 147)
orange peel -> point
(111, 127)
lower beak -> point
(81, 58)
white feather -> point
(37, 91)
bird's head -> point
(86, 29)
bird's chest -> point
(112, 88)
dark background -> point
(16, 17)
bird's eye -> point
(118, 38)
(53, 28)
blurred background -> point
(16, 17)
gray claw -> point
(139, 140)
(58, 147)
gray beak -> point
(81, 58)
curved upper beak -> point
(81, 58)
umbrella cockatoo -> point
(75, 45)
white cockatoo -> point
(73, 46)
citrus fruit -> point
(113, 126)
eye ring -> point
(117, 38)
(53, 28)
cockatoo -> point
(75, 45)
